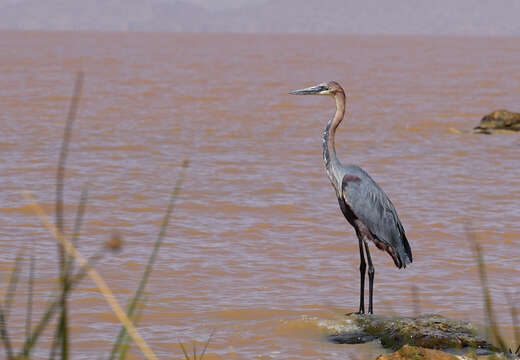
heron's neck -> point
(329, 151)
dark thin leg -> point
(371, 272)
(362, 269)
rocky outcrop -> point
(500, 120)
(427, 331)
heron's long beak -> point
(313, 90)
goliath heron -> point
(363, 203)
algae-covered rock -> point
(408, 352)
(499, 120)
(428, 331)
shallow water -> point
(257, 248)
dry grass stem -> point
(94, 275)
(151, 261)
(5, 336)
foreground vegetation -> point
(74, 267)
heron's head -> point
(330, 88)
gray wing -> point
(371, 205)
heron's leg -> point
(362, 269)
(371, 272)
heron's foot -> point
(359, 312)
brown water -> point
(257, 248)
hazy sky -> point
(220, 4)
(210, 4)
(441, 17)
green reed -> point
(69, 277)
(61, 337)
(491, 324)
(194, 348)
(151, 260)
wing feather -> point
(371, 205)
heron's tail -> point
(405, 256)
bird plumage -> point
(371, 205)
(363, 203)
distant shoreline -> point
(267, 34)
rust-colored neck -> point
(336, 120)
(330, 160)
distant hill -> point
(458, 17)
(118, 15)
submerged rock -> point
(428, 331)
(500, 120)
(354, 337)
(408, 352)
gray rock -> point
(499, 120)
(355, 337)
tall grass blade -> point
(194, 345)
(48, 314)
(60, 176)
(488, 305)
(56, 340)
(5, 336)
(82, 205)
(184, 351)
(80, 213)
(94, 275)
(206, 345)
(61, 336)
(30, 292)
(135, 319)
(151, 260)
(514, 319)
(12, 284)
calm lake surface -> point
(257, 248)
